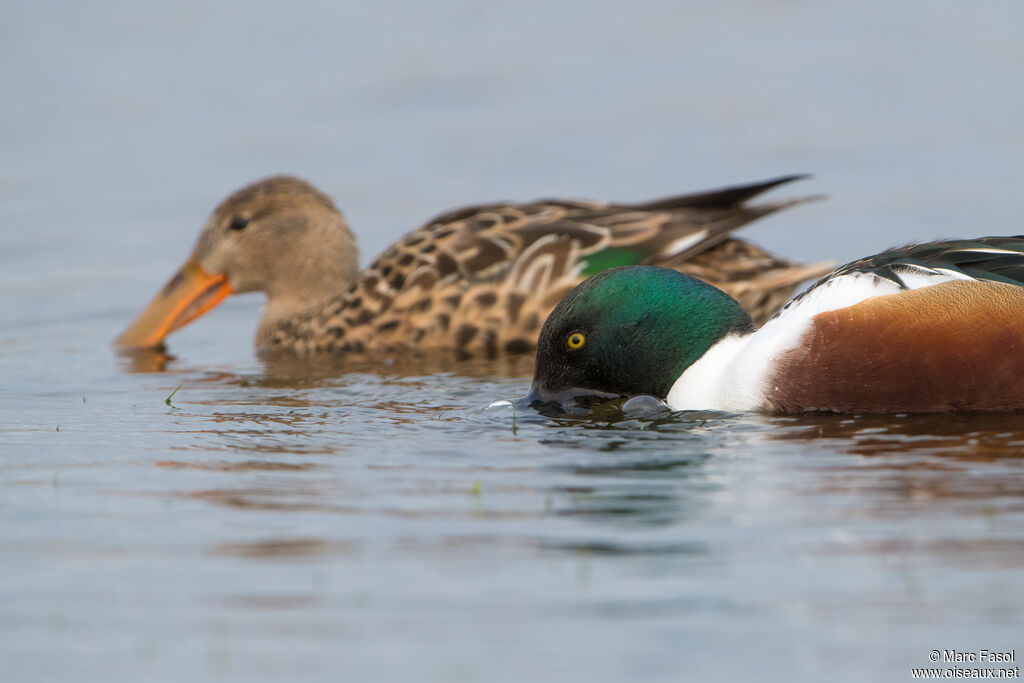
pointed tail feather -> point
(723, 198)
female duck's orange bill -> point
(190, 293)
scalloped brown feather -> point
(484, 278)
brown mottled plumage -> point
(480, 278)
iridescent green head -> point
(630, 331)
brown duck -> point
(480, 278)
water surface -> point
(348, 519)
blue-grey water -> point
(342, 520)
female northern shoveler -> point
(478, 278)
(926, 328)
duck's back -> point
(484, 278)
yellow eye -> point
(576, 340)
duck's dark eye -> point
(238, 222)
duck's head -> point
(629, 331)
(279, 235)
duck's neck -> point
(715, 380)
(281, 312)
(327, 266)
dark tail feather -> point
(724, 198)
(764, 208)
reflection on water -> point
(284, 366)
(287, 369)
(246, 466)
(278, 548)
(287, 498)
(613, 467)
(980, 437)
(144, 360)
(920, 460)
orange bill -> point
(190, 293)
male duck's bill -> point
(566, 400)
(478, 279)
(928, 328)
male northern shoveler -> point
(478, 278)
(925, 328)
